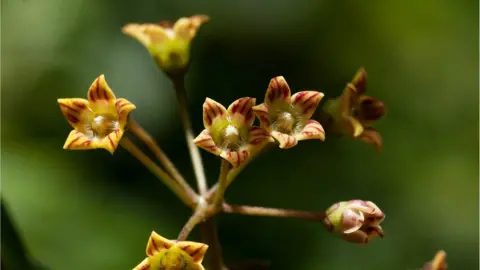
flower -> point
(438, 263)
(98, 122)
(356, 221)
(164, 254)
(168, 44)
(229, 133)
(353, 113)
(286, 117)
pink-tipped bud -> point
(355, 221)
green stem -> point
(143, 135)
(179, 85)
(222, 184)
(159, 172)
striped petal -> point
(235, 158)
(193, 249)
(372, 137)
(186, 28)
(212, 111)
(258, 136)
(101, 98)
(76, 111)
(110, 142)
(241, 113)
(360, 81)
(286, 141)
(312, 130)
(76, 140)
(157, 243)
(144, 265)
(277, 91)
(204, 140)
(306, 102)
(148, 34)
(261, 111)
(124, 107)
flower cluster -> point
(100, 121)
(283, 118)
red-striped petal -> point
(193, 249)
(157, 243)
(261, 111)
(277, 91)
(76, 111)
(235, 158)
(101, 98)
(241, 113)
(124, 107)
(312, 130)
(306, 102)
(76, 140)
(212, 111)
(204, 140)
(110, 142)
(258, 136)
(286, 141)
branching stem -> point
(198, 216)
(157, 171)
(208, 229)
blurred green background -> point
(90, 210)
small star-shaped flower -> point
(286, 117)
(164, 254)
(354, 113)
(98, 122)
(229, 132)
(168, 44)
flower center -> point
(170, 33)
(173, 261)
(284, 123)
(231, 138)
(104, 124)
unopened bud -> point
(355, 221)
